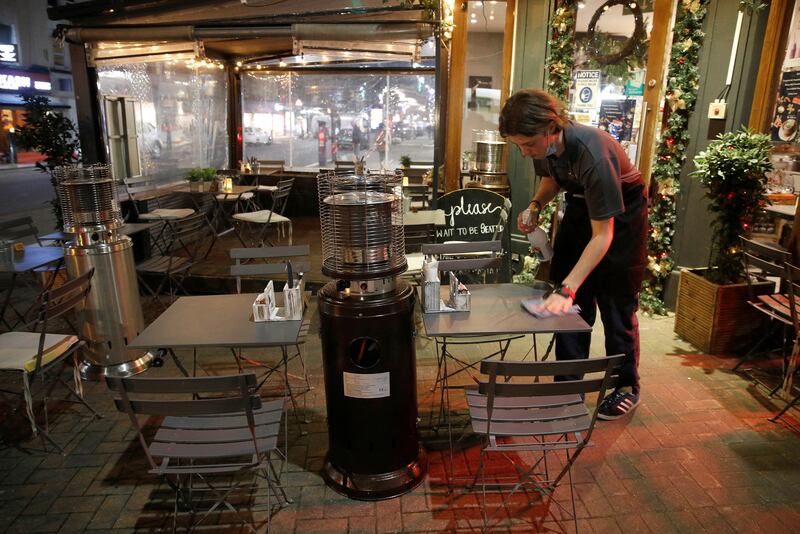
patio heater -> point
(367, 331)
(91, 213)
(489, 171)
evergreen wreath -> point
(682, 83)
(595, 44)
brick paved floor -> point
(698, 455)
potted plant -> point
(195, 178)
(209, 175)
(405, 161)
(54, 136)
(712, 311)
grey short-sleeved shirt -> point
(595, 166)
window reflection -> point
(180, 114)
(314, 120)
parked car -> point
(257, 136)
(345, 139)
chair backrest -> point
(524, 379)
(56, 302)
(281, 195)
(186, 235)
(470, 256)
(265, 268)
(19, 228)
(139, 396)
(793, 294)
(762, 260)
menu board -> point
(787, 109)
(616, 117)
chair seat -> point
(230, 197)
(18, 349)
(166, 213)
(261, 217)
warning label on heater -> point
(366, 386)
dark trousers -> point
(621, 327)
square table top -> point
(495, 309)
(215, 321)
(33, 257)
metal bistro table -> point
(35, 256)
(221, 321)
(495, 309)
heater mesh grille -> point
(361, 220)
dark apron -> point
(621, 270)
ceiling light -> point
(581, 5)
(478, 4)
(474, 21)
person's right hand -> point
(527, 220)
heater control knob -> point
(341, 285)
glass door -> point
(613, 73)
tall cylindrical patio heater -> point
(113, 311)
(367, 325)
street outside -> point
(26, 191)
(305, 152)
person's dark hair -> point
(532, 112)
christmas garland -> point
(559, 62)
(687, 39)
(561, 49)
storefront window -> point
(180, 114)
(483, 75)
(610, 66)
(314, 120)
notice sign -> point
(587, 88)
(366, 386)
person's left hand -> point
(556, 304)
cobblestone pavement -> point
(698, 455)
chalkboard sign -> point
(471, 215)
(475, 214)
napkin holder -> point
(459, 298)
(430, 286)
(265, 308)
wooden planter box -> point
(717, 318)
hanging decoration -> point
(682, 83)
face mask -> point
(551, 149)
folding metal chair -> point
(250, 262)
(792, 364)
(20, 228)
(182, 243)
(222, 430)
(481, 258)
(263, 219)
(519, 407)
(169, 206)
(764, 262)
(40, 353)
